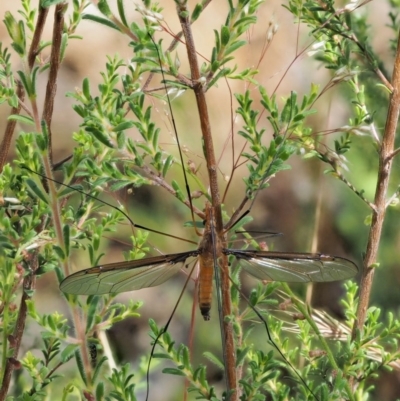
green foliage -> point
(44, 224)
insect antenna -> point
(176, 134)
(74, 188)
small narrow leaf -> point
(225, 35)
(68, 352)
(59, 252)
(35, 190)
(66, 232)
(196, 12)
(91, 313)
(100, 391)
(81, 367)
(173, 371)
(123, 126)
(21, 119)
(211, 357)
(100, 136)
(48, 3)
(86, 89)
(98, 369)
(100, 20)
(121, 12)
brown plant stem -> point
(379, 210)
(9, 132)
(51, 88)
(37, 35)
(228, 340)
(28, 285)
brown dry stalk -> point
(37, 35)
(10, 128)
(51, 88)
(380, 203)
(15, 340)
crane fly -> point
(263, 265)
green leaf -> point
(178, 191)
(100, 391)
(68, 352)
(100, 136)
(26, 82)
(234, 46)
(86, 89)
(64, 43)
(167, 164)
(60, 253)
(123, 126)
(48, 3)
(103, 7)
(92, 312)
(21, 119)
(100, 20)
(66, 231)
(98, 369)
(225, 35)
(16, 30)
(35, 72)
(288, 110)
(42, 139)
(121, 12)
(173, 371)
(211, 357)
(81, 367)
(35, 190)
(196, 12)
(66, 191)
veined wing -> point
(294, 267)
(125, 276)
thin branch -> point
(37, 35)
(395, 153)
(28, 285)
(51, 88)
(352, 187)
(378, 214)
(10, 128)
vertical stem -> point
(53, 73)
(9, 132)
(228, 340)
(37, 35)
(28, 286)
(379, 209)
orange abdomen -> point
(205, 286)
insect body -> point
(263, 265)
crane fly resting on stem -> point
(263, 265)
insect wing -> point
(124, 276)
(294, 267)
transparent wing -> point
(294, 267)
(125, 276)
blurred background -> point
(288, 206)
